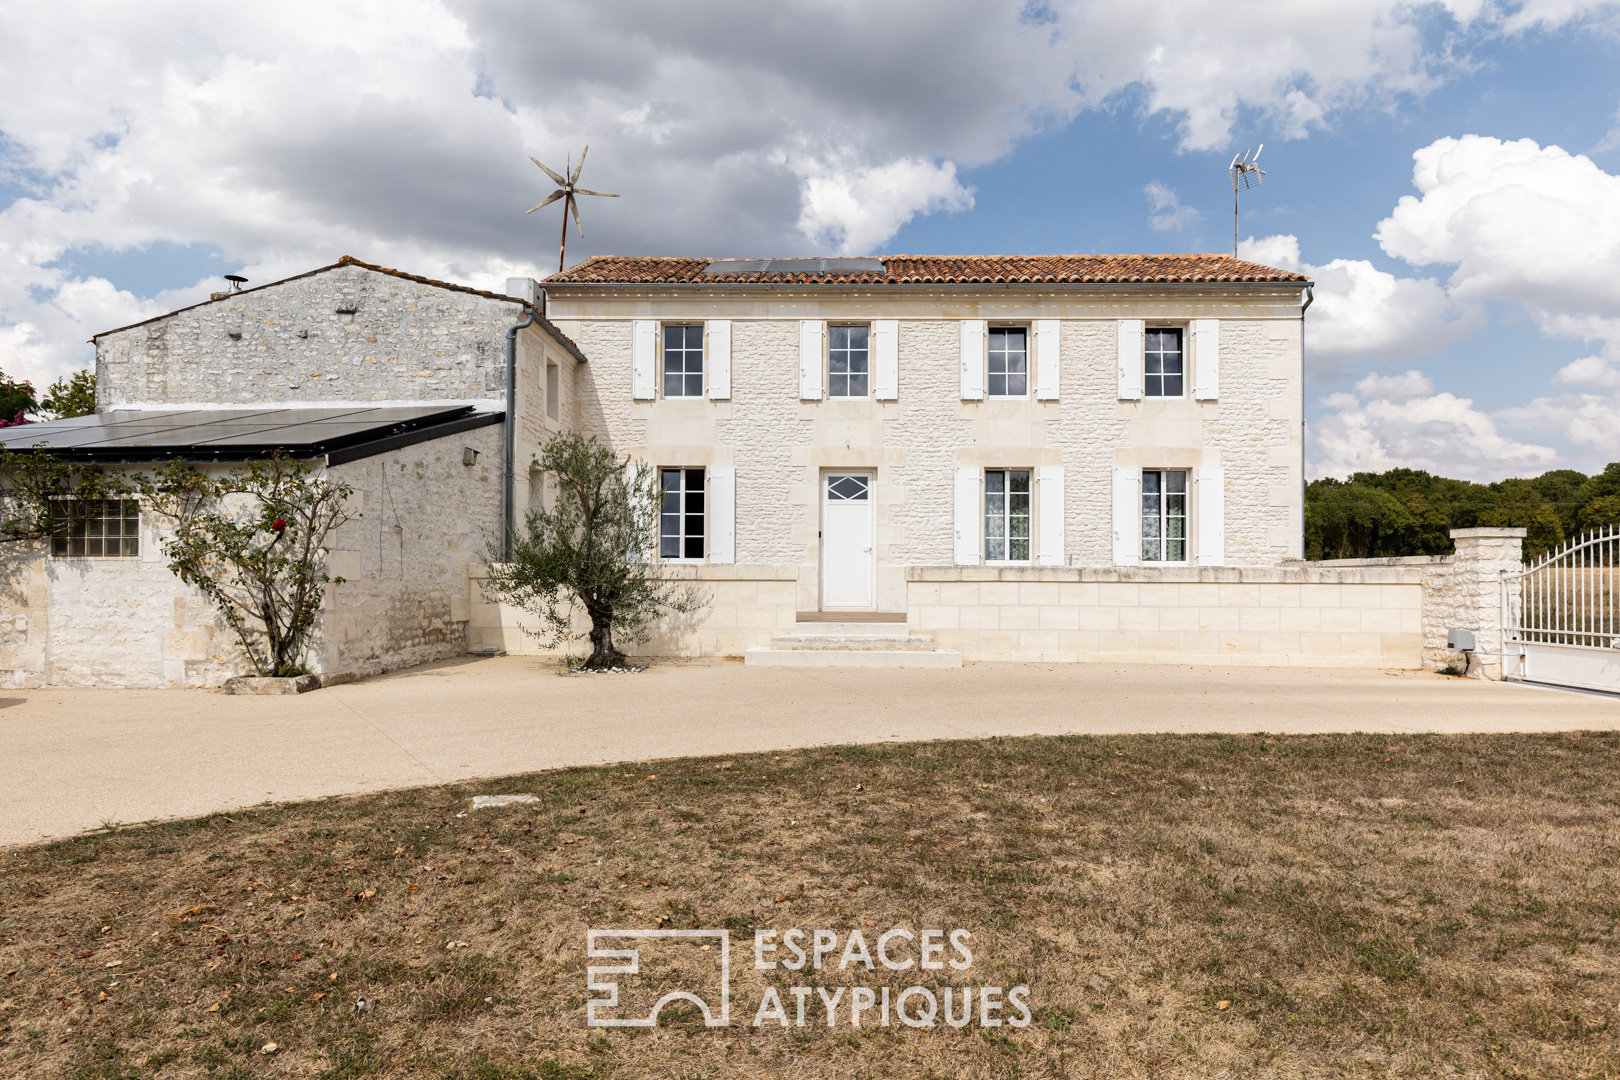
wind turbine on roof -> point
(1246, 173)
(566, 190)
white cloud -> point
(854, 212)
(1169, 215)
(1403, 387)
(1586, 420)
(1397, 421)
(286, 134)
(1521, 223)
(1590, 371)
(1364, 314)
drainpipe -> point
(1310, 298)
(508, 524)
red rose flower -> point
(279, 524)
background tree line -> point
(1411, 512)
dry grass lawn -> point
(1357, 906)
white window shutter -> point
(1050, 479)
(972, 360)
(1206, 359)
(722, 514)
(1127, 516)
(967, 516)
(1046, 359)
(643, 357)
(810, 360)
(631, 466)
(1211, 516)
(886, 344)
(1130, 359)
(719, 348)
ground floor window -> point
(96, 528)
(1006, 515)
(680, 522)
(1164, 515)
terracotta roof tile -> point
(939, 269)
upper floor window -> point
(848, 361)
(683, 361)
(1162, 373)
(1006, 515)
(1164, 515)
(680, 519)
(96, 528)
(1009, 362)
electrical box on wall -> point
(1466, 640)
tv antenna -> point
(566, 190)
(1246, 173)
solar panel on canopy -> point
(295, 429)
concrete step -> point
(759, 656)
(853, 628)
(890, 641)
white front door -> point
(847, 576)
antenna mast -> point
(1246, 173)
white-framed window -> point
(553, 390)
(1008, 373)
(1164, 515)
(1006, 515)
(680, 518)
(96, 528)
(849, 361)
(683, 360)
(1163, 362)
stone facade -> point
(780, 446)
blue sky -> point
(1473, 328)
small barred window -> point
(96, 528)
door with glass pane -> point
(848, 566)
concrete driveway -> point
(76, 759)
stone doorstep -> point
(870, 658)
(855, 642)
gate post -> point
(1466, 593)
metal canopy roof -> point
(339, 434)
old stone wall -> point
(131, 622)
(348, 334)
(425, 518)
(109, 622)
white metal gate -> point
(1561, 615)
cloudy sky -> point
(1448, 172)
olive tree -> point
(590, 553)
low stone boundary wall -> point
(1294, 617)
(1366, 613)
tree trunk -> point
(603, 654)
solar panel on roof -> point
(795, 266)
